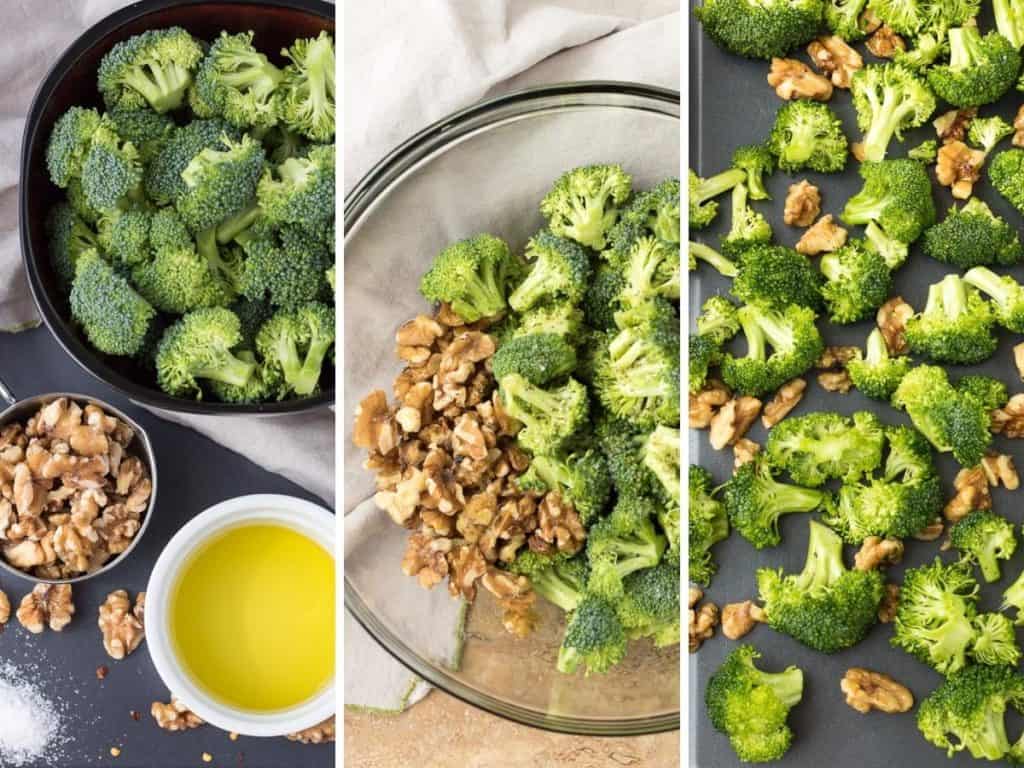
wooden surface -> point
(442, 732)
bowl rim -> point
(306, 517)
(85, 357)
(358, 202)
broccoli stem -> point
(556, 590)
(1013, 597)
(788, 685)
(231, 371)
(954, 296)
(892, 251)
(718, 184)
(988, 282)
(751, 325)
(231, 228)
(989, 564)
(824, 564)
(964, 47)
(309, 375)
(877, 351)
(706, 253)
(1010, 20)
(206, 246)
(887, 119)
(162, 87)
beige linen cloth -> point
(406, 65)
(299, 447)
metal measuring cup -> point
(20, 410)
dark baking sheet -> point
(195, 473)
(731, 104)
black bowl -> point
(72, 80)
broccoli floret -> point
(558, 579)
(952, 421)
(198, 347)
(220, 182)
(622, 543)
(910, 455)
(295, 343)
(756, 161)
(704, 354)
(794, 341)
(889, 99)
(751, 706)
(112, 170)
(69, 144)
(857, 282)
(306, 94)
(985, 538)
(822, 446)
(650, 604)
(995, 641)
(749, 228)
(708, 524)
(980, 69)
(876, 373)
(179, 280)
(601, 301)
(164, 183)
(661, 455)
(826, 606)
(153, 68)
(702, 252)
(778, 276)
(594, 638)
(955, 325)
(986, 132)
(897, 196)
(1006, 172)
(990, 392)
(1013, 597)
(1006, 293)
(560, 270)
(1009, 17)
(755, 501)
(68, 237)
(925, 152)
(892, 251)
(559, 317)
(581, 478)
(718, 320)
(288, 266)
(843, 18)
(968, 712)
(263, 384)
(584, 203)
(885, 508)
(760, 30)
(538, 358)
(236, 82)
(928, 47)
(973, 236)
(702, 206)
(114, 318)
(126, 235)
(471, 275)
(149, 131)
(654, 212)
(550, 418)
(808, 135)
(651, 269)
(298, 191)
(79, 204)
(622, 446)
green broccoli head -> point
(601, 301)
(955, 326)
(653, 212)
(718, 320)
(650, 604)
(305, 98)
(594, 638)
(300, 190)
(705, 353)
(149, 131)
(200, 347)
(843, 18)
(651, 269)
(888, 508)
(822, 446)
(178, 280)
(622, 446)
(749, 228)
(910, 455)
(918, 17)
(875, 372)
(777, 276)
(702, 206)
(928, 47)
(1007, 296)
(584, 203)
(751, 706)
(622, 543)
(560, 270)
(995, 640)
(154, 68)
(164, 183)
(985, 538)
(980, 69)
(754, 501)
(857, 282)
(986, 132)
(558, 317)
(559, 578)
(760, 30)
(708, 524)
(287, 267)
(470, 275)
(973, 236)
(925, 152)
(990, 392)
(757, 161)
(1006, 172)
(220, 182)
(114, 318)
(538, 358)
(550, 418)
(264, 384)
(808, 135)
(897, 196)
(68, 237)
(112, 169)
(295, 342)
(889, 99)
(236, 82)
(69, 144)
(581, 478)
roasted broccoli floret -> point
(749, 228)
(756, 161)
(995, 641)
(755, 501)
(928, 47)
(980, 69)
(702, 252)
(623, 542)
(236, 82)
(857, 282)
(651, 269)
(897, 196)
(889, 248)
(1009, 17)
(955, 325)
(164, 183)
(708, 524)
(295, 343)
(885, 508)
(876, 373)
(718, 320)
(560, 270)
(153, 68)
(843, 18)
(306, 94)
(1006, 293)
(1006, 172)
(705, 353)
(990, 392)
(985, 538)
(68, 237)
(925, 152)
(826, 606)
(550, 418)
(198, 347)
(581, 478)
(114, 318)
(584, 203)
(794, 341)
(889, 99)
(220, 182)
(69, 144)
(973, 236)
(1013, 597)
(777, 276)
(822, 446)
(808, 135)
(538, 358)
(751, 706)
(702, 206)
(760, 30)
(986, 132)
(471, 275)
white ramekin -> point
(302, 516)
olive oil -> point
(252, 617)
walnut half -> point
(793, 79)
(46, 604)
(120, 624)
(803, 204)
(867, 690)
(174, 716)
(824, 237)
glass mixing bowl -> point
(486, 169)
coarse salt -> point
(29, 722)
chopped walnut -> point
(374, 429)
(739, 618)
(890, 602)
(793, 79)
(835, 357)
(877, 552)
(785, 400)
(5, 608)
(835, 58)
(932, 531)
(121, 624)
(1018, 127)
(732, 421)
(999, 469)
(174, 716)
(884, 42)
(958, 167)
(869, 21)
(321, 733)
(705, 404)
(744, 451)
(803, 204)
(824, 237)
(1009, 420)
(516, 598)
(702, 622)
(971, 493)
(835, 381)
(694, 597)
(866, 690)
(1018, 359)
(891, 320)
(559, 524)
(953, 125)
(46, 604)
